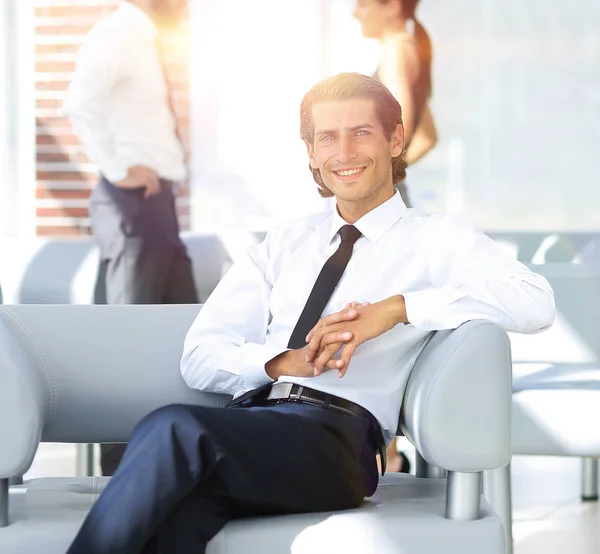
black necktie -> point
(324, 286)
(322, 290)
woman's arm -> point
(424, 138)
(398, 70)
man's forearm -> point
(274, 368)
(397, 309)
(291, 363)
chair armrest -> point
(457, 404)
(77, 373)
(25, 399)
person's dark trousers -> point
(188, 470)
(145, 261)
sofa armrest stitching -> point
(50, 378)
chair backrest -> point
(574, 336)
(70, 271)
(48, 271)
(90, 373)
(120, 362)
(544, 246)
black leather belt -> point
(290, 392)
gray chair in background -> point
(48, 271)
(70, 271)
(92, 373)
(556, 384)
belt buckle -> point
(280, 391)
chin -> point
(369, 32)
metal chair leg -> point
(463, 495)
(3, 502)
(498, 493)
(589, 479)
(84, 461)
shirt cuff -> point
(256, 356)
(114, 170)
(430, 309)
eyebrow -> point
(352, 129)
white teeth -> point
(348, 172)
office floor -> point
(549, 518)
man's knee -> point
(172, 428)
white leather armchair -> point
(85, 374)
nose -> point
(346, 149)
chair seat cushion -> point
(555, 410)
(405, 516)
(578, 376)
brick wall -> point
(64, 176)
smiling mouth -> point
(349, 173)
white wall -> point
(17, 120)
(251, 64)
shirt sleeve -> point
(98, 71)
(473, 278)
(225, 350)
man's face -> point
(374, 16)
(351, 150)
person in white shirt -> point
(119, 107)
(314, 333)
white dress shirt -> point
(117, 101)
(448, 271)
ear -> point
(311, 154)
(397, 141)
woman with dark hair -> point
(404, 68)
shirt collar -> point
(374, 224)
(139, 18)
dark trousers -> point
(188, 470)
(145, 261)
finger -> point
(331, 319)
(340, 337)
(153, 185)
(346, 355)
(316, 341)
(328, 352)
(334, 364)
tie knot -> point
(349, 233)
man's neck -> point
(351, 212)
(392, 29)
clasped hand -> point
(346, 330)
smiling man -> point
(314, 333)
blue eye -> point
(326, 137)
(362, 132)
